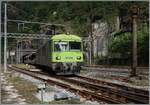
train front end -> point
(67, 54)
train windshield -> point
(61, 46)
(67, 46)
(75, 46)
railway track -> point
(113, 91)
(114, 85)
(93, 89)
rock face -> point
(101, 33)
(100, 38)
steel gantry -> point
(32, 22)
(25, 35)
(19, 35)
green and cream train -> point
(62, 54)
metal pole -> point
(0, 41)
(17, 53)
(42, 94)
(21, 52)
(18, 26)
(23, 26)
(11, 59)
(0, 54)
(89, 50)
(90, 55)
(91, 34)
(134, 40)
(5, 39)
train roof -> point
(66, 37)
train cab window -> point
(75, 46)
(61, 46)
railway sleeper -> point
(115, 85)
(105, 93)
(113, 96)
(132, 93)
(62, 85)
(112, 91)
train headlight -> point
(79, 57)
(58, 58)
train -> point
(61, 54)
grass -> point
(22, 66)
(66, 101)
(139, 82)
(25, 88)
(3, 96)
(82, 72)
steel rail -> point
(84, 93)
(132, 90)
(107, 91)
(123, 87)
(129, 96)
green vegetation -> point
(122, 45)
(24, 66)
(21, 66)
(78, 17)
(71, 101)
